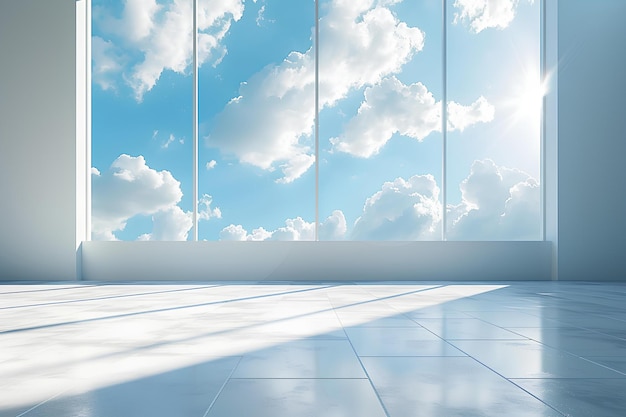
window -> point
(329, 129)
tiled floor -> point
(304, 350)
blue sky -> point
(380, 138)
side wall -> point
(38, 146)
(592, 140)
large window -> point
(316, 129)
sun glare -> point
(528, 98)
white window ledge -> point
(317, 261)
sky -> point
(380, 138)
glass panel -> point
(256, 121)
(141, 120)
(494, 107)
(380, 120)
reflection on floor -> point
(318, 349)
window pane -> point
(494, 107)
(141, 120)
(256, 121)
(380, 120)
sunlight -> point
(528, 97)
(139, 341)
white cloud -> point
(260, 18)
(211, 164)
(170, 224)
(460, 117)
(295, 167)
(411, 110)
(362, 43)
(402, 210)
(205, 212)
(237, 232)
(167, 143)
(389, 107)
(498, 203)
(295, 229)
(333, 228)
(162, 33)
(106, 63)
(483, 14)
(129, 188)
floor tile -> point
(297, 397)
(580, 397)
(581, 342)
(617, 363)
(353, 319)
(302, 359)
(452, 329)
(450, 387)
(170, 349)
(510, 318)
(184, 392)
(530, 359)
(398, 341)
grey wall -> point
(38, 209)
(592, 140)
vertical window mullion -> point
(195, 121)
(542, 132)
(317, 147)
(444, 118)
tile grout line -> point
(380, 400)
(219, 392)
(42, 403)
(509, 380)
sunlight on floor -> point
(208, 343)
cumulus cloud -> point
(360, 43)
(401, 210)
(411, 110)
(169, 224)
(130, 188)
(484, 14)
(237, 232)
(498, 203)
(295, 167)
(333, 228)
(162, 34)
(460, 117)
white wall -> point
(592, 140)
(38, 143)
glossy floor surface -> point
(313, 350)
